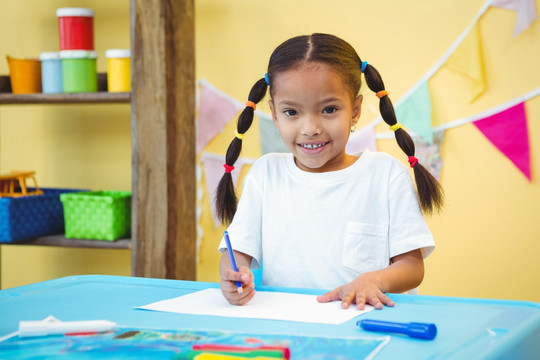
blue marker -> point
(233, 261)
(415, 330)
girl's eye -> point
(290, 112)
(329, 110)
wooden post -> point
(163, 138)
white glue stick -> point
(42, 328)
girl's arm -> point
(405, 272)
(229, 278)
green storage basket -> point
(97, 215)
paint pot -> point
(79, 73)
(76, 28)
(118, 70)
(25, 75)
(51, 72)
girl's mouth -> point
(313, 147)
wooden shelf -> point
(101, 96)
(76, 98)
(60, 240)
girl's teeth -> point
(312, 146)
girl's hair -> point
(333, 51)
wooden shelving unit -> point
(60, 240)
(100, 97)
(162, 100)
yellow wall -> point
(486, 237)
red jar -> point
(76, 28)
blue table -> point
(467, 328)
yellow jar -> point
(118, 70)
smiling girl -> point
(320, 217)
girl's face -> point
(314, 113)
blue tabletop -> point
(467, 328)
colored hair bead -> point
(382, 93)
(413, 161)
(228, 168)
(238, 135)
(364, 66)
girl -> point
(319, 217)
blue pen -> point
(233, 261)
(416, 330)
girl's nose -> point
(310, 126)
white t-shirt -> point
(322, 230)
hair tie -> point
(228, 168)
(251, 104)
(238, 135)
(413, 161)
(396, 126)
(381, 93)
(364, 65)
(266, 79)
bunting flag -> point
(526, 12)
(429, 155)
(467, 60)
(270, 139)
(213, 171)
(216, 109)
(517, 146)
(361, 140)
(507, 130)
(415, 112)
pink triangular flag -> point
(213, 171)
(507, 130)
(216, 109)
(361, 140)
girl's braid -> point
(226, 199)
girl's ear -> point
(357, 109)
(273, 110)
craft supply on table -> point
(53, 326)
(424, 331)
(270, 305)
(233, 261)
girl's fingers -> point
(386, 300)
(230, 293)
(360, 301)
(348, 298)
(329, 296)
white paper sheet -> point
(265, 305)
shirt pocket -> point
(365, 247)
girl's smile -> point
(314, 112)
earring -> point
(353, 128)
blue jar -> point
(51, 72)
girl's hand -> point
(362, 290)
(228, 285)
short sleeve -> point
(408, 229)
